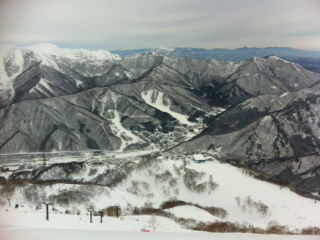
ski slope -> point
(19, 225)
(247, 201)
(156, 99)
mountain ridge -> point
(259, 113)
(309, 59)
(213, 53)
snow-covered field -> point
(235, 188)
(51, 234)
(66, 234)
(242, 196)
(193, 213)
(26, 225)
(29, 219)
(246, 200)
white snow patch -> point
(266, 119)
(79, 83)
(42, 86)
(296, 66)
(158, 104)
(284, 94)
(28, 225)
(192, 212)
(128, 74)
(126, 136)
(285, 207)
(199, 156)
(15, 56)
(27, 218)
(47, 49)
(234, 188)
(278, 58)
(166, 49)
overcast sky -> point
(132, 24)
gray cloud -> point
(128, 24)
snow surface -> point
(296, 66)
(235, 188)
(284, 94)
(192, 212)
(24, 225)
(126, 136)
(236, 192)
(278, 58)
(158, 103)
(27, 218)
(54, 234)
(286, 207)
(43, 87)
(199, 156)
(50, 234)
(47, 49)
(15, 56)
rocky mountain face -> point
(262, 113)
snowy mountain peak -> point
(276, 58)
(48, 49)
(165, 49)
(11, 62)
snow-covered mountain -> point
(308, 59)
(261, 113)
(46, 50)
(238, 54)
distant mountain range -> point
(239, 54)
(308, 59)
